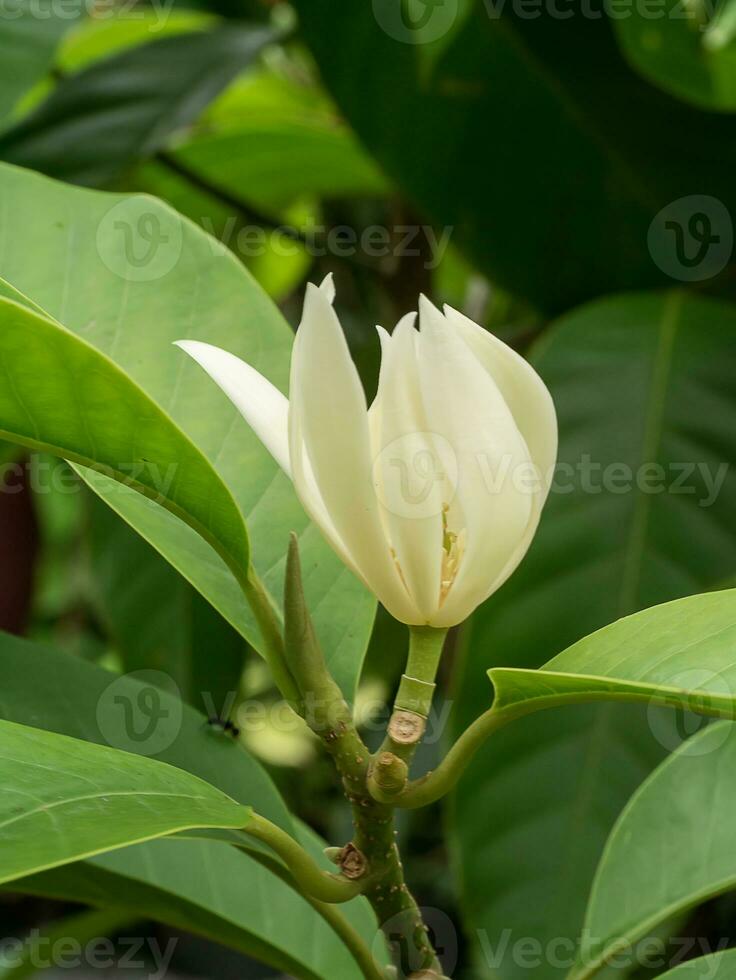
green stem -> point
(315, 882)
(397, 912)
(330, 913)
(435, 784)
(361, 952)
(374, 845)
(390, 766)
(269, 623)
(416, 689)
(438, 783)
(371, 860)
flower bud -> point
(433, 494)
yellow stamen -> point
(453, 548)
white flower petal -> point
(263, 406)
(523, 390)
(328, 424)
(407, 476)
(465, 407)
(328, 287)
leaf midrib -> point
(71, 800)
(661, 371)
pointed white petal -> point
(465, 407)
(328, 427)
(523, 390)
(262, 405)
(374, 412)
(328, 287)
(409, 472)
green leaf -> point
(9, 453)
(687, 51)
(666, 853)
(30, 32)
(575, 165)
(717, 966)
(278, 264)
(97, 123)
(155, 618)
(143, 277)
(269, 144)
(97, 38)
(203, 887)
(679, 654)
(65, 799)
(637, 380)
(69, 415)
(138, 712)
(215, 891)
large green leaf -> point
(530, 135)
(97, 37)
(204, 887)
(717, 966)
(673, 847)
(679, 654)
(637, 380)
(136, 278)
(278, 263)
(100, 121)
(688, 51)
(155, 618)
(213, 890)
(138, 712)
(69, 415)
(65, 799)
(270, 141)
(30, 32)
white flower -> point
(433, 494)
